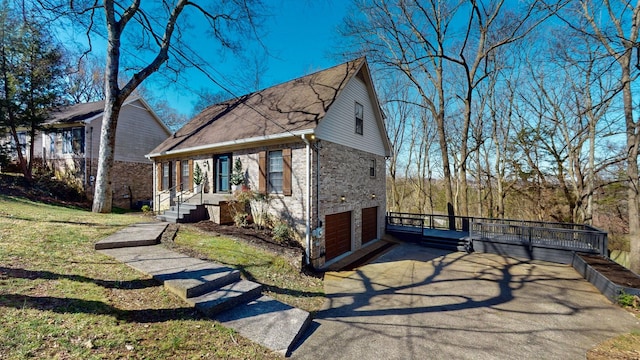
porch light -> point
(343, 198)
(373, 196)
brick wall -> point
(131, 182)
(344, 172)
(289, 209)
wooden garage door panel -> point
(369, 224)
(337, 234)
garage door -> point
(369, 224)
(337, 234)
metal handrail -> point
(179, 195)
(463, 220)
(530, 232)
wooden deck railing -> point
(578, 237)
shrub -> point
(628, 300)
(146, 209)
(281, 232)
(241, 219)
(259, 210)
(237, 176)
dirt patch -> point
(43, 189)
(613, 271)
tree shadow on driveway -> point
(416, 302)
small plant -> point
(237, 176)
(259, 210)
(197, 175)
(241, 219)
(281, 232)
(628, 300)
(239, 207)
(146, 209)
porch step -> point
(185, 213)
(226, 297)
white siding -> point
(338, 125)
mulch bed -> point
(260, 238)
(613, 271)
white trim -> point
(232, 142)
(307, 203)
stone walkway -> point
(215, 290)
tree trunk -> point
(632, 172)
(103, 194)
(102, 201)
(21, 159)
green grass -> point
(61, 299)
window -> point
(372, 168)
(359, 119)
(184, 177)
(166, 168)
(22, 138)
(275, 171)
(52, 143)
(73, 141)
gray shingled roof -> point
(76, 113)
(290, 107)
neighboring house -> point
(71, 141)
(315, 145)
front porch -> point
(188, 207)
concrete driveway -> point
(421, 303)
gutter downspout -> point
(307, 202)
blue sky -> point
(299, 35)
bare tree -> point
(85, 82)
(616, 26)
(426, 41)
(488, 28)
(395, 100)
(136, 29)
(410, 37)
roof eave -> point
(241, 143)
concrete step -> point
(268, 322)
(165, 218)
(186, 213)
(217, 291)
(226, 297)
(184, 207)
(198, 279)
(142, 234)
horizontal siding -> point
(137, 133)
(338, 125)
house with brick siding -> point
(313, 147)
(70, 141)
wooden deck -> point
(535, 240)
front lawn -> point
(61, 299)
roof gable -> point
(87, 112)
(294, 107)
